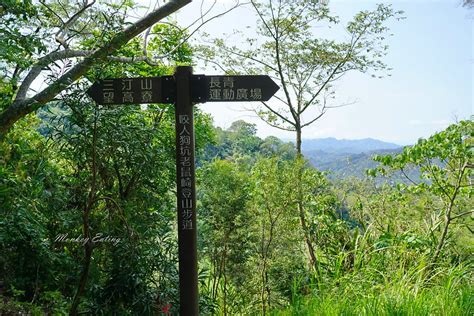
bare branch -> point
(235, 52)
(462, 214)
(408, 178)
(64, 29)
(340, 105)
(42, 62)
(213, 62)
(278, 114)
(52, 11)
(315, 119)
(281, 100)
(184, 40)
(288, 129)
(282, 79)
(354, 42)
(262, 18)
(308, 103)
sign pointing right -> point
(232, 88)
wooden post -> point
(186, 191)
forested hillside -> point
(377, 245)
(88, 192)
(346, 165)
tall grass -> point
(422, 290)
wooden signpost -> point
(184, 89)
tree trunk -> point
(447, 216)
(89, 245)
(442, 239)
(298, 142)
(264, 264)
(83, 280)
(309, 246)
(268, 290)
(224, 274)
(264, 286)
(215, 263)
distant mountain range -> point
(347, 146)
(347, 158)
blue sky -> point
(431, 84)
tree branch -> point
(277, 114)
(462, 214)
(63, 30)
(354, 41)
(20, 108)
(314, 120)
(238, 4)
(59, 55)
(262, 19)
(406, 176)
(234, 52)
(288, 129)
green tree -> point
(239, 141)
(273, 146)
(41, 36)
(445, 161)
(95, 170)
(33, 208)
(224, 193)
(118, 145)
(243, 138)
(304, 66)
(277, 241)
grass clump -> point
(428, 291)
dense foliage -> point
(378, 246)
(88, 214)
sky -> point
(431, 84)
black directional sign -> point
(184, 89)
(232, 88)
(163, 89)
(134, 90)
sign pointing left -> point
(133, 90)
